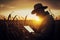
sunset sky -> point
(24, 7)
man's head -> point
(39, 6)
(39, 9)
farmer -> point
(46, 29)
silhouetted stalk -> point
(9, 16)
(25, 20)
(22, 17)
(14, 17)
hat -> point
(39, 6)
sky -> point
(23, 7)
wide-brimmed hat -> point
(39, 6)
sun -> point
(37, 18)
(34, 17)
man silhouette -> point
(46, 29)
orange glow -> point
(37, 19)
(37, 22)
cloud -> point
(53, 4)
(5, 1)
